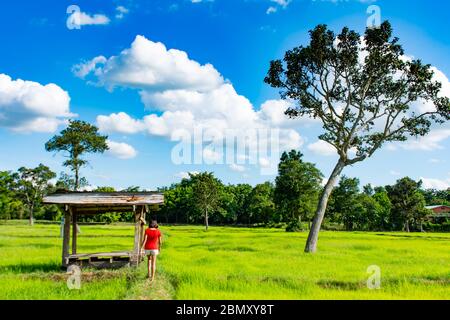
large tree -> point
(363, 90)
(205, 192)
(408, 203)
(76, 140)
(343, 206)
(297, 187)
(260, 203)
(237, 208)
(32, 184)
(10, 205)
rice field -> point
(230, 263)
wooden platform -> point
(76, 204)
(103, 259)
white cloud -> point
(282, 3)
(237, 168)
(434, 160)
(264, 162)
(121, 12)
(119, 122)
(429, 183)
(84, 19)
(27, 106)
(211, 156)
(322, 148)
(185, 175)
(121, 150)
(430, 142)
(149, 65)
(186, 95)
(273, 111)
(422, 106)
(83, 69)
(89, 188)
(271, 10)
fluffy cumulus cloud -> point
(121, 150)
(186, 95)
(27, 106)
(119, 122)
(149, 65)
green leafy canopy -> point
(363, 89)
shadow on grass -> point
(220, 247)
(439, 280)
(341, 285)
(80, 235)
(413, 236)
(31, 268)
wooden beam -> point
(142, 230)
(74, 233)
(137, 226)
(66, 237)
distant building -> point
(439, 209)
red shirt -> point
(153, 236)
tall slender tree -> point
(205, 193)
(76, 140)
(363, 90)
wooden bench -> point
(102, 259)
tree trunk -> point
(407, 226)
(31, 215)
(311, 243)
(77, 179)
(206, 219)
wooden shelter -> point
(76, 204)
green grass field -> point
(230, 263)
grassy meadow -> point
(230, 263)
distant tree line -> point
(288, 202)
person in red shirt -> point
(152, 246)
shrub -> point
(294, 226)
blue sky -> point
(229, 44)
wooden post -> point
(142, 230)
(137, 245)
(66, 237)
(74, 233)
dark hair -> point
(153, 224)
